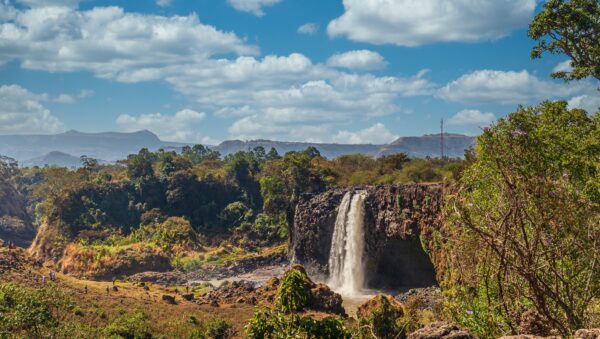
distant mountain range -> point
(64, 149)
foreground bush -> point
(283, 321)
(524, 228)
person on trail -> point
(107, 290)
(52, 277)
(187, 288)
(13, 246)
(44, 279)
(85, 289)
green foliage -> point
(219, 329)
(293, 292)
(383, 322)
(33, 313)
(199, 153)
(275, 324)
(524, 229)
(129, 326)
(174, 231)
(570, 27)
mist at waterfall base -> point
(346, 266)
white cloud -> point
(285, 97)
(22, 113)
(564, 66)
(309, 28)
(164, 3)
(590, 103)
(414, 23)
(252, 6)
(181, 126)
(358, 60)
(376, 134)
(505, 87)
(64, 99)
(49, 3)
(109, 42)
(472, 117)
(70, 98)
(86, 93)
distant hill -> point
(420, 147)
(56, 158)
(109, 146)
(328, 150)
(429, 145)
(65, 149)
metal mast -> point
(442, 137)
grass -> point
(96, 309)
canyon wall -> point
(398, 226)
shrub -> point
(129, 326)
(523, 229)
(293, 293)
(30, 312)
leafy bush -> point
(219, 329)
(33, 313)
(385, 321)
(272, 323)
(293, 292)
(129, 326)
(524, 229)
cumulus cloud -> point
(376, 134)
(181, 126)
(49, 3)
(590, 103)
(64, 99)
(309, 28)
(472, 117)
(358, 60)
(505, 87)
(70, 99)
(414, 23)
(252, 6)
(164, 3)
(21, 112)
(111, 43)
(288, 97)
(564, 66)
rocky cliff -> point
(15, 224)
(399, 220)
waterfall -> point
(346, 268)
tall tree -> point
(570, 27)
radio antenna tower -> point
(442, 137)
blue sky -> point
(352, 71)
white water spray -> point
(346, 267)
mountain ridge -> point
(113, 146)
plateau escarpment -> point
(398, 227)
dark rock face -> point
(15, 224)
(399, 220)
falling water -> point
(346, 269)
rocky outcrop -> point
(320, 297)
(395, 308)
(399, 220)
(441, 330)
(15, 223)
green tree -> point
(140, 165)
(273, 155)
(570, 27)
(524, 228)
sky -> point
(204, 71)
